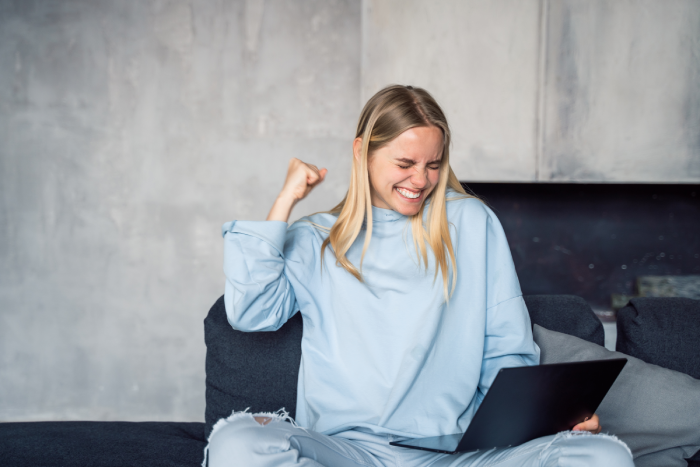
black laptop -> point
(528, 402)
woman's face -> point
(404, 172)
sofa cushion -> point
(656, 411)
(566, 313)
(101, 444)
(662, 331)
(255, 370)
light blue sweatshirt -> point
(386, 355)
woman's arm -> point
(508, 340)
(258, 296)
(301, 179)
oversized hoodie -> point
(387, 355)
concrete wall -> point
(541, 90)
(130, 131)
(479, 60)
(621, 100)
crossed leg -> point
(267, 440)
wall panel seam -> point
(540, 94)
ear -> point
(357, 148)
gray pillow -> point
(654, 410)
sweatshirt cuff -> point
(272, 232)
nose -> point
(419, 179)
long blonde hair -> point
(386, 115)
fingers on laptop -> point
(590, 424)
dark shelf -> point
(593, 240)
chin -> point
(408, 210)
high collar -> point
(385, 215)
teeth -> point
(408, 194)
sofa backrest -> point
(663, 331)
(256, 370)
(569, 314)
(259, 370)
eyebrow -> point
(410, 161)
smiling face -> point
(405, 171)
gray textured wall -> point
(479, 59)
(550, 90)
(131, 130)
(621, 99)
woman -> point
(410, 303)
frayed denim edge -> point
(279, 416)
(573, 434)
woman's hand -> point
(589, 424)
(301, 179)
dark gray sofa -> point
(259, 371)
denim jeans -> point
(242, 441)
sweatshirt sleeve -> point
(258, 295)
(508, 340)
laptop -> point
(529, 402)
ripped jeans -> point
(241, 441)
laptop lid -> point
(529, 402)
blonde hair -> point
(386, 115)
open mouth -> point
(409, 195)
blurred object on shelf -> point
(660, 286)
(669, 286)
(619, 300)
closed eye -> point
(407, 164)
(432, 167)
